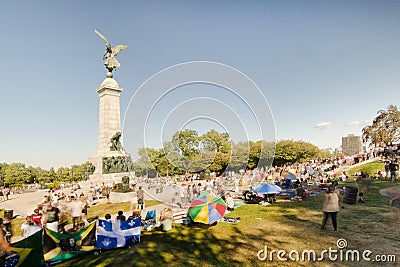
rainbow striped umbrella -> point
(207, 209)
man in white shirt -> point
(28, 228)
(76, 210)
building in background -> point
(351, 145)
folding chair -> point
(150, 219)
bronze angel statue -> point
(111, 62)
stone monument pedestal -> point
(109, 124)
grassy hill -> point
(370, 168)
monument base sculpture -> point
(106, 178)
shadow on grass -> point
(182, 246)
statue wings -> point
(116, 49)
(102, 37)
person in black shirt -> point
(121, 216)
(393, 168)
(52, 218)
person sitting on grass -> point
(361, 198)
(166, 219)
(166, 214)
(135, 214)
(230, 203)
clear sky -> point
(325, 67)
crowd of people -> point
(59, 206)
(71, 203)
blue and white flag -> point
(116, 234)
(106, 225)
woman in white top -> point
(230, 203)
(76, 210)
(331, 207)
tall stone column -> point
(109, 122)
(109, 114)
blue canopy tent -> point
(269, 191)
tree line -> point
(189, 152)
(18, 174)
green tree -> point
(64, 174)
(254, 154)
(289, 152)
(214, 140)
(81, 172)
(188, 143)
(385, 127)
(239, 157)
(267, 153)
(147, 160)
(16, 173)
(219, 163)
(52, 174)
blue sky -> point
(326, 63)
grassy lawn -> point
(113, 208)
(282, 226)
(371, 168)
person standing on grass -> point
(36, 217)
(76, 210)
(51, 218)
(84, 207)
(331, 207)
(393, 168)
(140, 198)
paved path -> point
(23, 204)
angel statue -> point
(111, 62)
